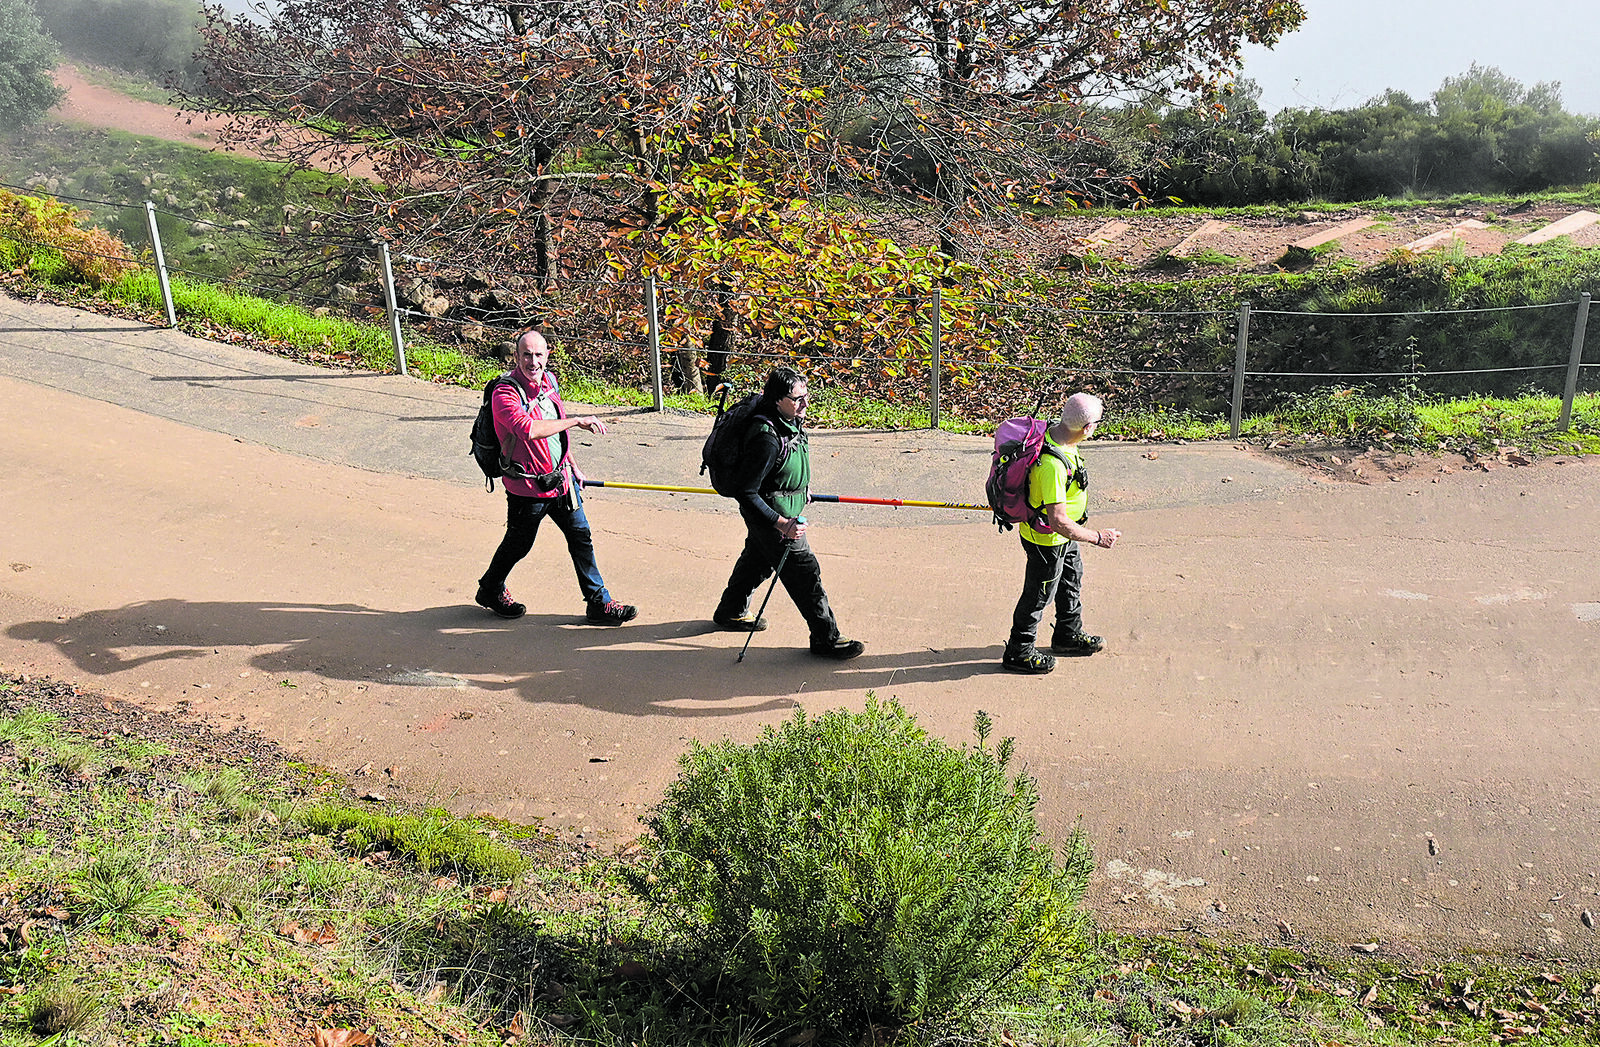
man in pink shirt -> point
(531, 423)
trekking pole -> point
(763, 610)
(893, 502)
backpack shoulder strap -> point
(495, 383)
(1055, 452)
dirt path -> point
(87, 103)
(1363, 711)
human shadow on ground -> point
(682, 668)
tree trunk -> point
(686, 371)
(718, 351)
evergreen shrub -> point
(851, 871)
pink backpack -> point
(1018, 443)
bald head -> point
(1080, 409)
(531, 355)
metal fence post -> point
(1236, 416)
(395, 333)
(161, 263)
(653, 336)
(935, 349)
(1575, 362)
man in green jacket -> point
(772, 487)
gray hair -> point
(1081, 409)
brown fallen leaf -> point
(1370, 995)
(1365, 947)
(1587, 918)
(1284, 930)
(323, 935)
(344, 1038)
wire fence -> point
(643, 332)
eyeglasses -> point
(804, 398)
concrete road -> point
(1364, 713)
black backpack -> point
(486, 449)
(723, 448)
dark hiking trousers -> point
(1054, 572)
(801, 578)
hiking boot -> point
(1028, 660)
(500, 603)
(1076, 644)
(739, 623)
(611, 612)
(839, 650)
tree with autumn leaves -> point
(803, 173)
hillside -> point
(1258, 241)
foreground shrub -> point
(852, 871)
(45, 235)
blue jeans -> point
(523, 516)
(1054, 572)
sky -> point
(1348, 51)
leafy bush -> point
(1354, 415)
(27, 55)
(45, 234)
(852, 870)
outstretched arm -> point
(1055, 514)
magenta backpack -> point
(1018, 443)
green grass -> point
(1353, 417)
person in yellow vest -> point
(1058, 485)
